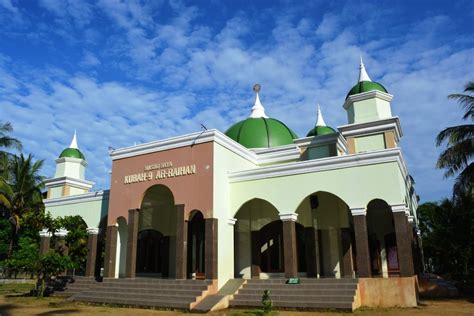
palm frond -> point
(455, 134)
(456, 157)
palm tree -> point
(457, 158)
(6, 142)
(21, 194)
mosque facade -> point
(255, 202)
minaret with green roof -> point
(69, 178)
(371, 126)
(367, 100)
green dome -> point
(365, 86)
(320, 130)
(72, 153)
(261, 133)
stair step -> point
(312, 292)
(136, 302)
(294, 304)
(292, 298)
(183, 295)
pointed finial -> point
(320, 120)
(257, 110)
(363, 76)
(74, 141)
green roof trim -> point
(365, 86)
(72, 153)
(261, 133)
(320, 130)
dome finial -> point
(320, 119)
(363, 76)
(258, 110)
(74, 141)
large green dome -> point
(365, 86)
(261, 132)
(72, 153)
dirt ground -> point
(13, 306)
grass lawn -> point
(13, 303)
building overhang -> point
(70, 159)
(367, 95)
(55, 182)
(373, 127)
(327, 139)
(78, 198)
(256, 156)
(323, 164)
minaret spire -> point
(363, 76)
(74, 141)
(320, 119)
(258, 110)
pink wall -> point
(194, 191)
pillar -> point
(362, 242)
(181, 243)
(45, 236)
(255, 254)
(347, 270)
(210, 248)
(91, 250)
(289, 244)
(132, 239)
(110, 251)
(61, 246)
(312, 252)
(405, 256)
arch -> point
(382, 240)
(196, 246)
(121, 254)
(249, 240)
(156, 240)
(325, 236)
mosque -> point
(257, 204)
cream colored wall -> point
(121, 254)
(70, 168)
(369, 110)
(369, 143)
(75, 191)
(225, 161)
(356, 186)
(91, 211)
(55, 192)
(318, 152)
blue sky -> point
(132, 72)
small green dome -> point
(261, 132)
(72, 153)
(320, 130)
(365, 86)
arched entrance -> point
(121, 254)
(325, 235)
(157, 233)
(382, 240)
(196, 247)
(258, 240)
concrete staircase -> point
(69, 286)
(147, 292)
(309, 294)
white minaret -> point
(258, 110)
(320, 119)
(69, 178)
(363, 76)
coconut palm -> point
(21, 194)
(6, 142)
(457, 158)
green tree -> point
(447, 231)
(457, 158)
(28, 260)
(21, 194)
(76, 239)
